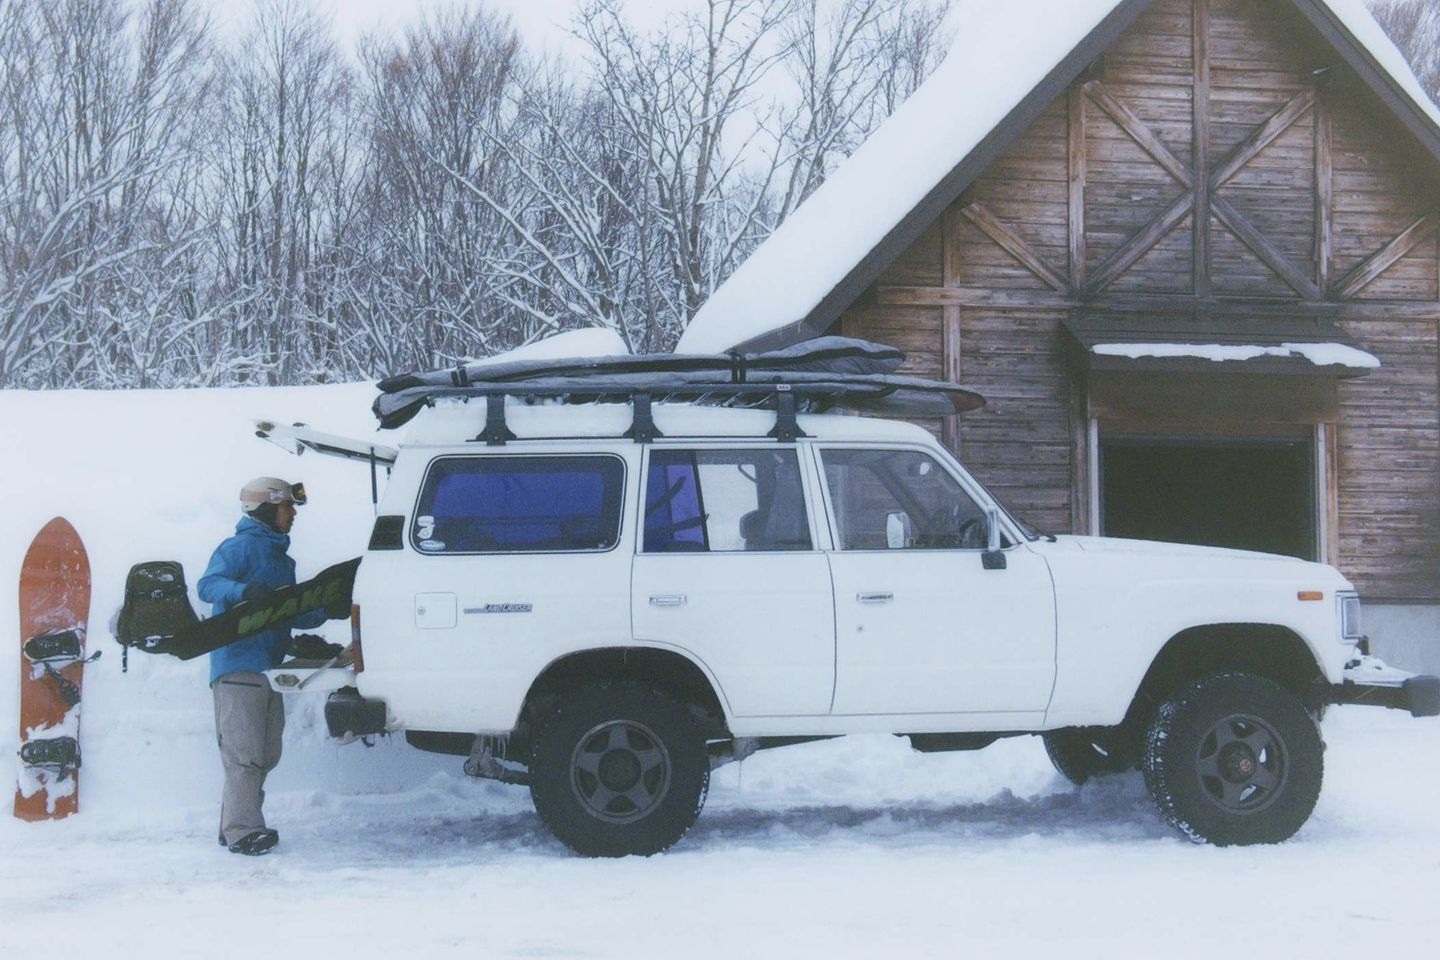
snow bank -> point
(147, 475)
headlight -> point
(1350, 628)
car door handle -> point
(879, 597)
(668, 600)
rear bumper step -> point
(349, 715)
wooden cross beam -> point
(1271, 255)
(1141, 244)
(1015, 245)
(1138, 131)
(1386, 257)
(1201, 198)
(1261, 137)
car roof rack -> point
(812, 377)
(788, 397)
(642, 428)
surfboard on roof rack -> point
(828, 373)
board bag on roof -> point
(819, 375)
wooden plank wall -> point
(1150, 70)
(1388, 463)
(1340, 194)
(1256, 67)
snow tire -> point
(619, 769)
(1234, 759)
(1082, 753)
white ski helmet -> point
(270, 490)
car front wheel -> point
(1234, 759)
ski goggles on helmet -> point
(271, 490)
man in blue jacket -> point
(249, 716)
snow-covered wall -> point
(147, 475)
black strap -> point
(69, 693)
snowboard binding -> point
(51, 753)
(55, 646)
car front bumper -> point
(1369, 681)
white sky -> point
(543, 24)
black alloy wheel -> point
(1234, 759)
(1242, 763)
(619, 769)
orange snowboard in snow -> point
(54, 605)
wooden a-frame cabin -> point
(1188, 251)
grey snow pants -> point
(249, 719)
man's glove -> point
(255, 592)
(307, 646)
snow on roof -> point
(1320, 354)
(1356, 17)
(585, 342)
(1006, 50)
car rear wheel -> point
(1234, 759)
(619, 769)
(1082, 753)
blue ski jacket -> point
(256, 554)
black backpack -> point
(157, 606)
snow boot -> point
(256, 843)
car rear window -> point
(520, 505)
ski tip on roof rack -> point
(811, 377)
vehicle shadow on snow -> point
(1112, 810)
(1118, 810)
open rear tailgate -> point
(296, 438)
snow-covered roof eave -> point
(864, 203)
(1319, 354)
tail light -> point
(355, 638)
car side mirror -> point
(993, 558)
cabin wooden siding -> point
(1219, 160)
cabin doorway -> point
(1250, 495)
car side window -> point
(717, 501)
(505, 504)
(900, 500)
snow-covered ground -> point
(849, 848)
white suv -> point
(607, 613)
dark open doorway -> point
(1250, 495)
